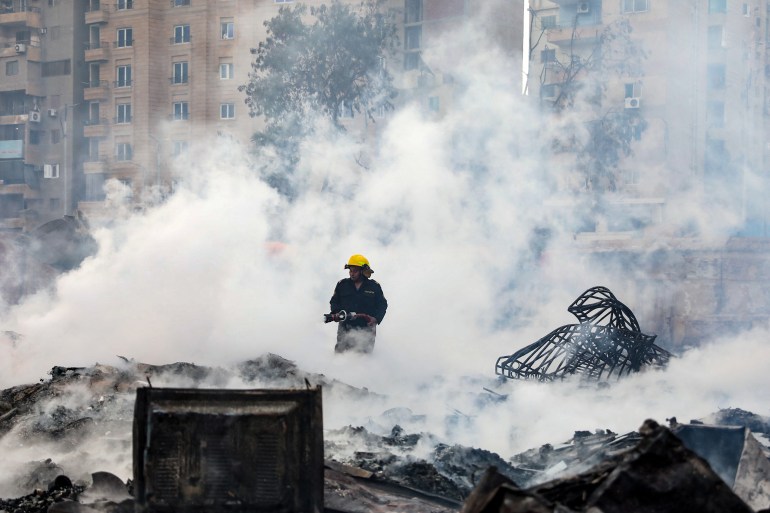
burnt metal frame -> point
(607, 342)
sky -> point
(448, 212)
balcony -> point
(96, 90)
(16, 115)
(97, 51)
(16, 15)
(21, 49)
(97, 16)
(97, 166)
(581, 35)
(96, 127)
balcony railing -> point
(122, 83)
(96, 45)
(97, 83)
(15, 110)
(179, 40)
(14, 8)
(180, 80)
(96, 122)
(123, 44)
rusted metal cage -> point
(606, 343)
(199, 450)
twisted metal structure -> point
(606, 343)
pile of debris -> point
(652, 470)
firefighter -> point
(363, 296)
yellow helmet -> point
(358, 261)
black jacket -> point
(368, 299)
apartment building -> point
(701, 97)
(427, 75)
(163, 78)
(40, 95)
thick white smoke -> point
(448, 212)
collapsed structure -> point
(607, 342)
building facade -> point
(699, 105)
(40, 95)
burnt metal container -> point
(201, 450)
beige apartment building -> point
(703, 100)
(101, 90)
(702, 97)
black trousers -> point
(360, 340)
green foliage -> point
(318, 63)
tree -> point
(575, 86)
(334, 62)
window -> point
(547, 22)
(125, 37)
(433, 104)
(346, 110)
(93, 113)
(125, 4)
(716, 78)
(745, 10)
(181, 3)
(123, 76)
(634, 6)
(35, 136)
(549, 91)
(283, 1)
(633, 90)
(180, 73)
(95, 187)
(181, 111)
(123, 151)
(12, 68)
(227, 111)
(716, 6)
(411, 60)
(716, 114)
(180, 148)
(181, 34)
(94, 73)
(716, 37)
(548, 56)
(413, 11)
(93, 149)
(55, 136)
(56, 68)
(51, 171)
(123, 113)
(412, 37)
(227, 28)
(226, 70)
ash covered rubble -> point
(367, 471)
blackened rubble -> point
(403, 471)
(659, 474)
(607, 343)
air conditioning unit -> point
(52, 113)
(583, 7)
(633, 102)
(51, 171)
(34, 116)
(20, 48)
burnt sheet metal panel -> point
(721, 446)
(199, 450)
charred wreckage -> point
(202, 450)
(606, 343)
